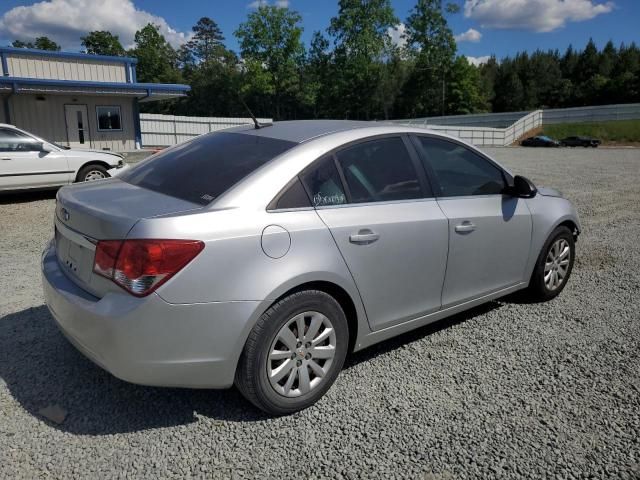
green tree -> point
(101, 42)
(157, 63)
(41, 43)
(464, 90)
(21, 44)
(509, 95)
(206, 43)
(360, 33)
(318, 77)
(157, 60)
(432, 48)
(271, 47)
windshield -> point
(202, 169)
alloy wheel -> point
(94, 175)
(301, 354)
(556, 264)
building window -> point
(109, 119)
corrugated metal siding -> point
(30, 66)
(47, 119)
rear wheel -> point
(554, 265)
(294, 353)
(89, 173)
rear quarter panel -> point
(234, 267)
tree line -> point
(353, 69)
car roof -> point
(300, 131)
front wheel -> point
(294, 353)
(554, 265)
(90, 173)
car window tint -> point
(12, 141)
(294, 196)
(459, 171)
(202, 169)
(379, 170)
(323, 183)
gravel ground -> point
(506, 390)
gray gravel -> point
(507, 390)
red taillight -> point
(141, 266)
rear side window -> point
(323, 183)
(379, 171)
(294, 196)
(459, 171)
(201, 170)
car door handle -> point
(5, 158)
(364, 237)
(465, 227)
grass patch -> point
(619, 131)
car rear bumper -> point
(147, 340)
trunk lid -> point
(103, 210)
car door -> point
(386, 224)
(489, 233)
(23, 163)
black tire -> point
(91, 170)
(538, 290)
(251, 375)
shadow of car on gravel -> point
(41, 369)
(7, 198)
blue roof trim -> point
(75, 55)
(159, 87)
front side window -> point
(12, 141)
(459, 171)
(323, 183)
(202, 169)
(108, 119)
(379, 170)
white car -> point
(30, 162)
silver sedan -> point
(261, 256)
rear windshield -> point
(201, 170)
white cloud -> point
(537, 15)
(65, 21)
(477, 61)
(282, 3)
(471, 35)
(397, 35)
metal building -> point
(76, 99)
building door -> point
(77, 121)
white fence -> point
(602, 113)
(481, 129)
(497, 129)
(164, 130)
(487, 136)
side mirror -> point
(522, 187)
(43, 147)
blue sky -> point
(500, 27)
